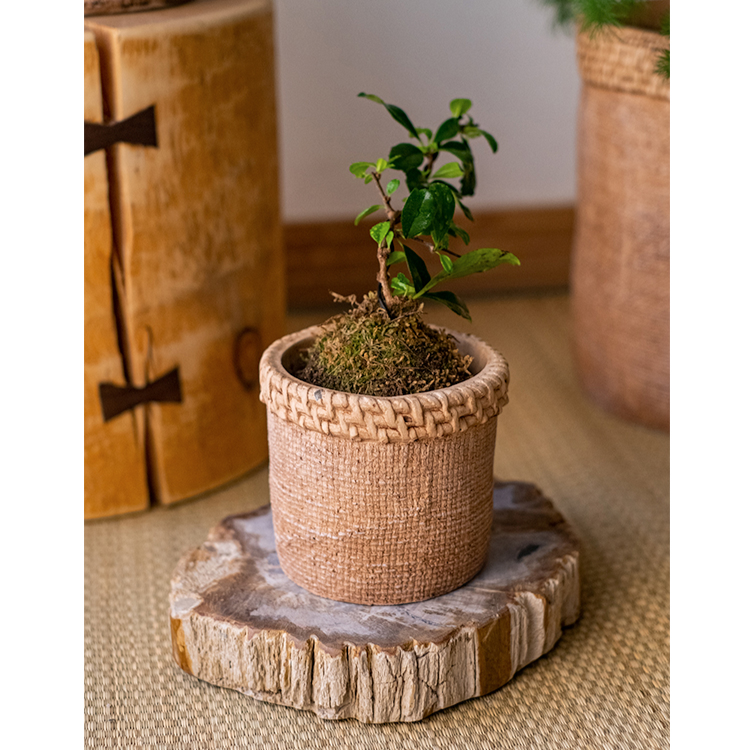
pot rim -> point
(404, 418)
(623, 59)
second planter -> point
(621, 256)
(381, 500)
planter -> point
(381, 500)
(620, 262)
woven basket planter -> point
(381, 500)
(620, 264)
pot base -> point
(239, 622)
(366, 523)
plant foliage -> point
(594, 15)
(426, 219)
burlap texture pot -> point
(620, 262)
(381, 500)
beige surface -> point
(604, 686)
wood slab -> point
(238, 622)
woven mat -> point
(606, 683)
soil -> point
(363, 351)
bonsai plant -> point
(620, 261)
(381, 429)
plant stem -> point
(430, 161)
(383, 251)
(383, 277)
(392, 214)
(430, 247)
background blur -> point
(519, 71)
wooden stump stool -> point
(184, 255)
(239, 622)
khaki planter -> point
(381, 500)
(620, 261)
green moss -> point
(362, 351)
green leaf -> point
(402, 286)
(418, 212)
(448, 129)
(379, 231)
(372, 97)
(451, 300)
(426, 132)
(417, 268)
(392, 186)
(459, 149)
(395, 112)
(401, 117)
(460, 106)
(446, 203)
(474, 262)
(466, 211)
(490, 140)
(456, 231)
(463, 151)
(428, 210)
(389, 238)
(468, 183)
(366, 212)
(447, 263)
(367, 179)
(381, 165)
(440, 238)
(415, 179)
(397, 256)
(481, 260)
(470, 131)
(451, 169)
(359, 168)
(453, 189)
(405, 156)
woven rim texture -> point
(390, 419)
(623, 59)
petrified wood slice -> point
(239, 622)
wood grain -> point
(198, 228)
(337, 256)
(237, 621)
(114, 454)
(105, 7)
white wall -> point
(419, 54)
